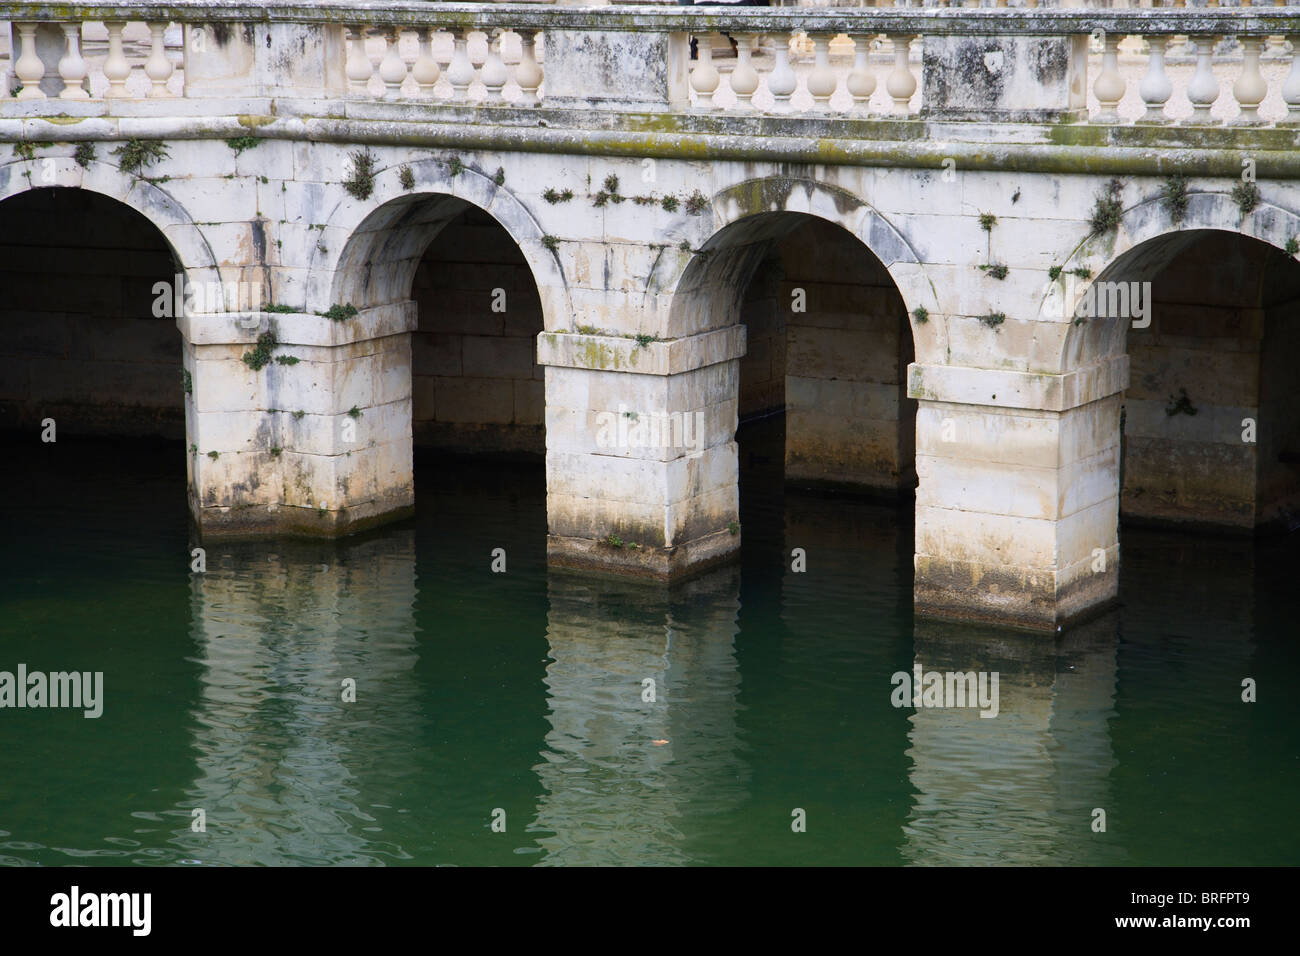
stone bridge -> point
(997, 257)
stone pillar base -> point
(662, 564)
(266, 521)
(1030, 599)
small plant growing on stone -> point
(25, 150)
(275, 451)
(644, 340)
(1082, 272)
(996, 271)
(993, 319)
(354, 412)
(611, 183)
(406, 178)
(612, 540)
(1181, 405)
(340, 313)
(1108, 210)
(587, 330)
(298, 415)
(287, 360)
(455, 167)
(733, 527)
(921, 314)
(553, 197)
(278, 308)
(138, 153)
(1173, 194)
(1054, 273)
(194, 449)
(697, 203)
(1246, 196)
(644, 200)
(500, 177)
(988, 221)
(551, 243)
(241, 143)
(1292, 246)
(214, 455)
(600, 199)
(684, 245)
(360, 183)
(16, 90)
(258, 357)
(669, 203)
(187, 381)
(84, 155)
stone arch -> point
(1144, 243)
(768, 207)
(846, 361)
(189, 247)
(395, 225)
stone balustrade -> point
(1017, 63)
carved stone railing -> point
(1005, 64)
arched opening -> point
(476, 390)
(822, 392)
(1210, 423)
(92, 391)
(82, 343)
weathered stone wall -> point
(1206, 332)
(80, 343)
(849, 420)
(477, 385)
(1277, 492)
(762, 368)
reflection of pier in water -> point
(609, 794)
(272, 735)
(1018, 788)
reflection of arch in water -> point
(1019, 788)
(276, 636)
(609, 794)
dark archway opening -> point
(80, 342)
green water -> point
(523, 691)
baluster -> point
(28, 67)
(862, 81)
(822, 80)
(1156, 87)
(1110, 85)
(1203, 88)
(781, 82)
(460, 73)
(443, 57)
(158, 67)
(744, 78)
(1250, 88)
(359, 67)
(392, 69)
(1291, 86)
(117, 69)
(494, 74)
(1276, 48)
(901, 83)
(704, 78)
(72, 67)
(425, 69)
(528, 74)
